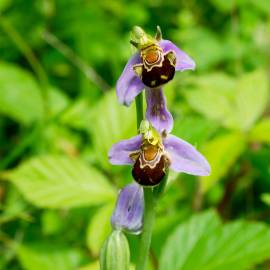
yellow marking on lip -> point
(163, 77)
(172, 58)
(153, 83)
(138, 69)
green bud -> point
(115, 253)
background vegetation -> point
(59, 115)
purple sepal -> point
(184, 157)
(119, 153)
(129, 85)
(157, 112)
(183, 61)
(128, 213)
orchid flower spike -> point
(151, 67)
(151, 154)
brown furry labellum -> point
(150, 165)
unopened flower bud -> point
(115, 254)
(128, 213)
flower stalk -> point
(139, 109)
(149, 220)
(149, 206)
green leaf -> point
(194, 129)
(60, 182)
(211, 50)
(15, 206)
(107, 122)
(77, 116)
(164, 224)
(58, 101)
(236, 246)
(266, 198)
(212, 96)
(221, 152)
(251, 98)
(110, 123)
(224, 6)
(235, 104)
(262, 5)
(260, 133)
(4, 4)
(20, 97)
(99, 228)
(91, 266)
(47, 257)
(185, 238)
(51, 222)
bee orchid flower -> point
(151, 67)
(151, 154)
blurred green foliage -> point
(59, 116)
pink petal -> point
(129, 85)
(119, 153)
(185, 158)
(183, 61)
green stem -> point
(149, 201)
(149, 219)
(139, 109)
(159, 190)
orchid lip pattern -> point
(152, 153)
(128, 213)
(152, 66)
